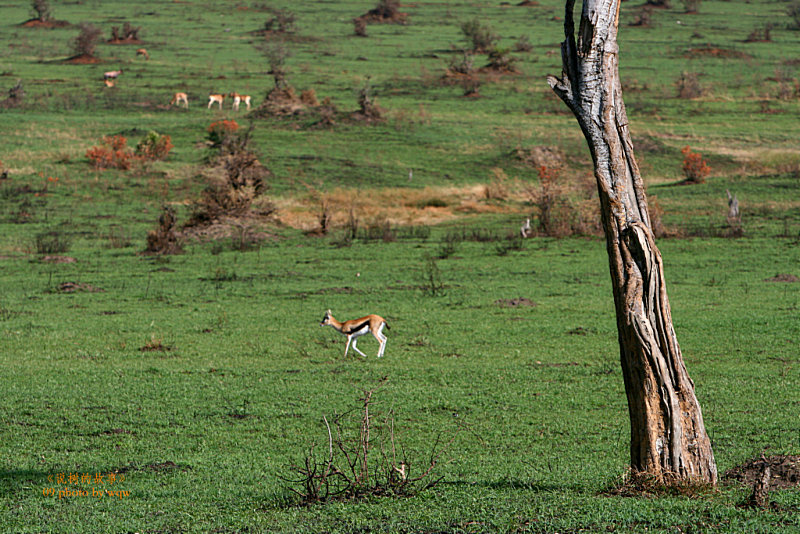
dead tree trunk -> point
(668, 438)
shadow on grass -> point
(16, 479)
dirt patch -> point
(713, 51)
(783, 278)
(784, 471)
(515, 303)
(74, 287)
(83, 59)
(36, 23)
(528, 3)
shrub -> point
(691, 6)
(282, 22)
(164, 240)
(218, 132)
(360, 27)
(52, 242)
(523, 44)
(112, 153)
(689, 85)
(41, 8)
(694, 166)
(86, 41)
(793, 11)
(480, 38)
(127, 33)
(501, 60)
(154, 146)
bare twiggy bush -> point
(480, 37)
(282, 22)
(661, 4)
(363, 458)
(52, 242)
(368, 109)
(85, 43)
(463, 63)
(128, 33)
(563, 209)
(15, 96)
(276, 55)
(644, 18)
(523, 44)
(688, 85)
(734, 218)
(360, 27)
(236, 178)
(498, 188)
(385, 12)
(41, 10)
(691, 6)
(164, 239)
(501, 61)
(760, 35)
(793, 12)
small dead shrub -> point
(523, 44)
(164, 239)
(694, 167)
(480, 37)
(363, 458)
(661, 4)
(501, 61)
(360, 27)
(127, 34)
(385, 12)
(498, 188)
(688, 84)
(644, 18)
(691, 6)
(760, 35)
(793, 12)
(41, 10)
(563, 210)
(85, 44)
(368, 109)
(282, 22)
(16, 94)
(51, 242)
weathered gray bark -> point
(668, 438)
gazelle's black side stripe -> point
(357, 328)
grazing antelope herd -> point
(356, 328)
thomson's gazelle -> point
(356, 328)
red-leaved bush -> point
(154, 146)
(219, 130)
(112, 153)
(694, 166)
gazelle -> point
(525, 229)
(112, 74)
(356, 328)
(142, 52)
(178, 98)
(215, 98)
(237, 98)
(109, 82)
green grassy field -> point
(198, 379)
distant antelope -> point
(178, 98)
(356, 328)
(112, 74)
(109, 82)
(142, 52)
(237, 98)
(215, 98)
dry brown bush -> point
(164, 239)
(564, 208)
(85, 43)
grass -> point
(200, 377)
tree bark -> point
(668, 438)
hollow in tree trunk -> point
(668, 437)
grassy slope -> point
(81, 396)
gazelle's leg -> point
(355, 340)
(381, 339)
(349, 338)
